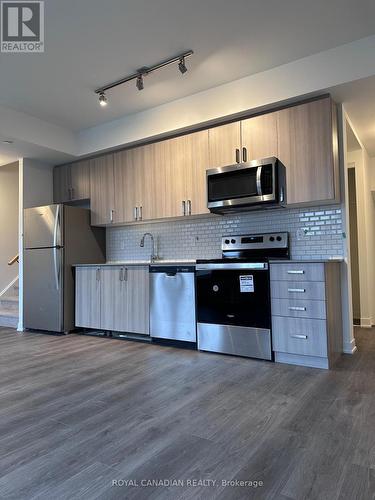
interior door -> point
(43, 289)
(42, 226)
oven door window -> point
(232, 185)
(234, 297)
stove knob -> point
(272, 238)
(227, 242)
(233, 241)
(279, 238)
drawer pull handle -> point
(296, 290)
(295, 308)
(299, 271)
(298, 336)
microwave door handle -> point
(259, 181)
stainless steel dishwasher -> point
(172, 302)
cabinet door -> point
(61, 184)
(224, 141)
(259, 137)
(138, 300)
(102, 190)
(195, 173)
(87, 305)
(80, 180)
(113, 299)
(125, 192)
(306, 138)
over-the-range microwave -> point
(254, 185)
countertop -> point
(164, 262)
(170, 262)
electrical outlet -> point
(301, 233)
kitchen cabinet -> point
(102, 190)
(243, 141)
(306, 313)
(307, 146)
(224, 145)
(113, 298)
(259, 137)
(71, 182)
(88, 294)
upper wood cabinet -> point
(243, 141)
(307, 146)
(224, 145)
(71, 182)
(102, 190)
(259, 137)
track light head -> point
(182, 66)
(139, 83)
(103, 101)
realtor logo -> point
(22, 26)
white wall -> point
(366, 232)
(36, 188)
(8, 222)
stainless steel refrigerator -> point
(55, 237)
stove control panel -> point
(255, 241)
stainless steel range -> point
(233, 295)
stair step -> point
(8, 318)
(9, 303)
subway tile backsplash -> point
(314, 233)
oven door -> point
(242, 185)
(230, 294)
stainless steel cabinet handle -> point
(298, 336)
(296, 290)
(135, 213)
(111, 215)
(238, 160)
(189, 207)
(125, 274)
(295, 308)
(299, 271)
(98, 274)
(140, 213)
(72, 195)
(121, 276)
(244, 155)
(183, 207)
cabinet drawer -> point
(298, 290)
(299, 308)
(297, 272)
(299, 336)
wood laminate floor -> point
(77, 413)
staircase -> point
(9, 307)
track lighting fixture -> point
(139, 75)
(103, 101)
(139, 83)
(182, 66)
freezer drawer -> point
(43, 290)
(172, 305)
(42, 226)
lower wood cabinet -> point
(114, 298)
(306, 313)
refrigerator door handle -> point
(57, 225)
(56, 266)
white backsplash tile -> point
(314, 233)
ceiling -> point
(91, 42)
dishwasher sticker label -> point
(247, 283)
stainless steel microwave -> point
(246, 186)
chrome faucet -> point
(153, 256)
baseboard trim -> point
(349, 347)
